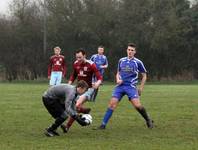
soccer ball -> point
(88, 118)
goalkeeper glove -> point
(80, 120)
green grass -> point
(173, 108)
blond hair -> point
(57, 47)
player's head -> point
(57, 50)
(80, 55)
(131, 50)
(81, 87)
(100, 50)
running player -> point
(83, 69)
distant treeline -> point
(165, 32)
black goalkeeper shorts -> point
(54, 107)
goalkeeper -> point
(59, 100)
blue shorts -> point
(121, 90)
(56, 77)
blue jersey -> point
(99, 60)
(128, 70)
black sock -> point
(95, 93)
(57, 123)
(143, 112)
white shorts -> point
(56, 78)
(89, 94)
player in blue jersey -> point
(127, 79)
(101, 63)
(100, 60)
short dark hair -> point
(132, 45)
(100, 46)
(82, 84)
(81, 50)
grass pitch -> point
(174, 108)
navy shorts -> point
(121, 90)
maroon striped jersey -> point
(57, 63)
(85, 71)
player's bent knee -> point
(113, 105)
(136, 103)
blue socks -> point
(107, 116)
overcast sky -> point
(4, 5)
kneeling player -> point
(60, 102)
